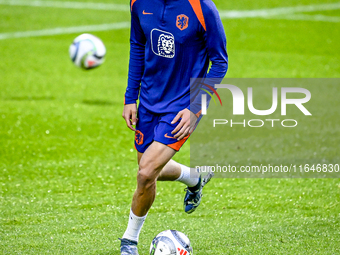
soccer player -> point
(171, 41)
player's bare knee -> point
(145, 179)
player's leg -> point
(187, 176)
(170, 172)
(162, 169)
(151, 162)
(174, 171)
(144, 137)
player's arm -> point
(136, 70)
(216, 43)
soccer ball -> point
(171, 242)
(87, 51)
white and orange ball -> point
(171, 242)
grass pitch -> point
(67, 163)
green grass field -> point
(67, 163)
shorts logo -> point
(182, 22)
(167, 136)
(163, 43)
(139, 137)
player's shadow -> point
(30, 98)
(98, 102)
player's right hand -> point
(130, 115)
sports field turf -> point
(67, 163)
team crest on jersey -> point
(182, 22)
(163, 43)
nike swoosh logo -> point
(147, 13)
(166, 135)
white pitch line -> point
(224, 13)
(66, 30)
(317, 17)
(278, 11)
(67, 5)
(289, 13)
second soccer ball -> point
(87, 51)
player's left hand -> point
(186, 125)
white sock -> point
(189, 179)
(134, 227)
